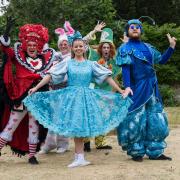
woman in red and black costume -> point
(24, 68)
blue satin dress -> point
(77, 110)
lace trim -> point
(27, 65)
(119, 116)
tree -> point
(164, 11)
(82, 14)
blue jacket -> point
(143, 80)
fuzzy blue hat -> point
(133, 21)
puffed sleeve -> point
(100, 73)
(123, 56)
(58, 56)
(58, 71)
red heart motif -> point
(9, 129)
(15, 120)
(34, 63)
(30, 126)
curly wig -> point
(112, 49)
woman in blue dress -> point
(77, 110)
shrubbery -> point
(167, 94)
(84, 15)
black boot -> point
(137, 158)
(161, 157)
(87, 147)
(104, 147)
(33, 160)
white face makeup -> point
(64, 47)
(32, 49)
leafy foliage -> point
(164, 11)
(156, 35)
(84, 15)
(168, 95)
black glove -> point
(9, 24)
(4, 39)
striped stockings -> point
(2, 143)
(32, 150)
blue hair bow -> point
(76, 35)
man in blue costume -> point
(146, 126)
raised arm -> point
(91, 35)
(172, 41)
(124, 39)
(168, 53)
(5, 39)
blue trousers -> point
(144, 130)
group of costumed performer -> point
(77, 110)
(105, 56)
(145, 128)
(23, 70)
(53, 140)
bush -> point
(156, 35)
(168, 95)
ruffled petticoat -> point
(78, 111)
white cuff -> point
(2, 40)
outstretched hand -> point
(32, 90)
(172, 40)
(99, 26)
(126, 92)
(125, 39)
